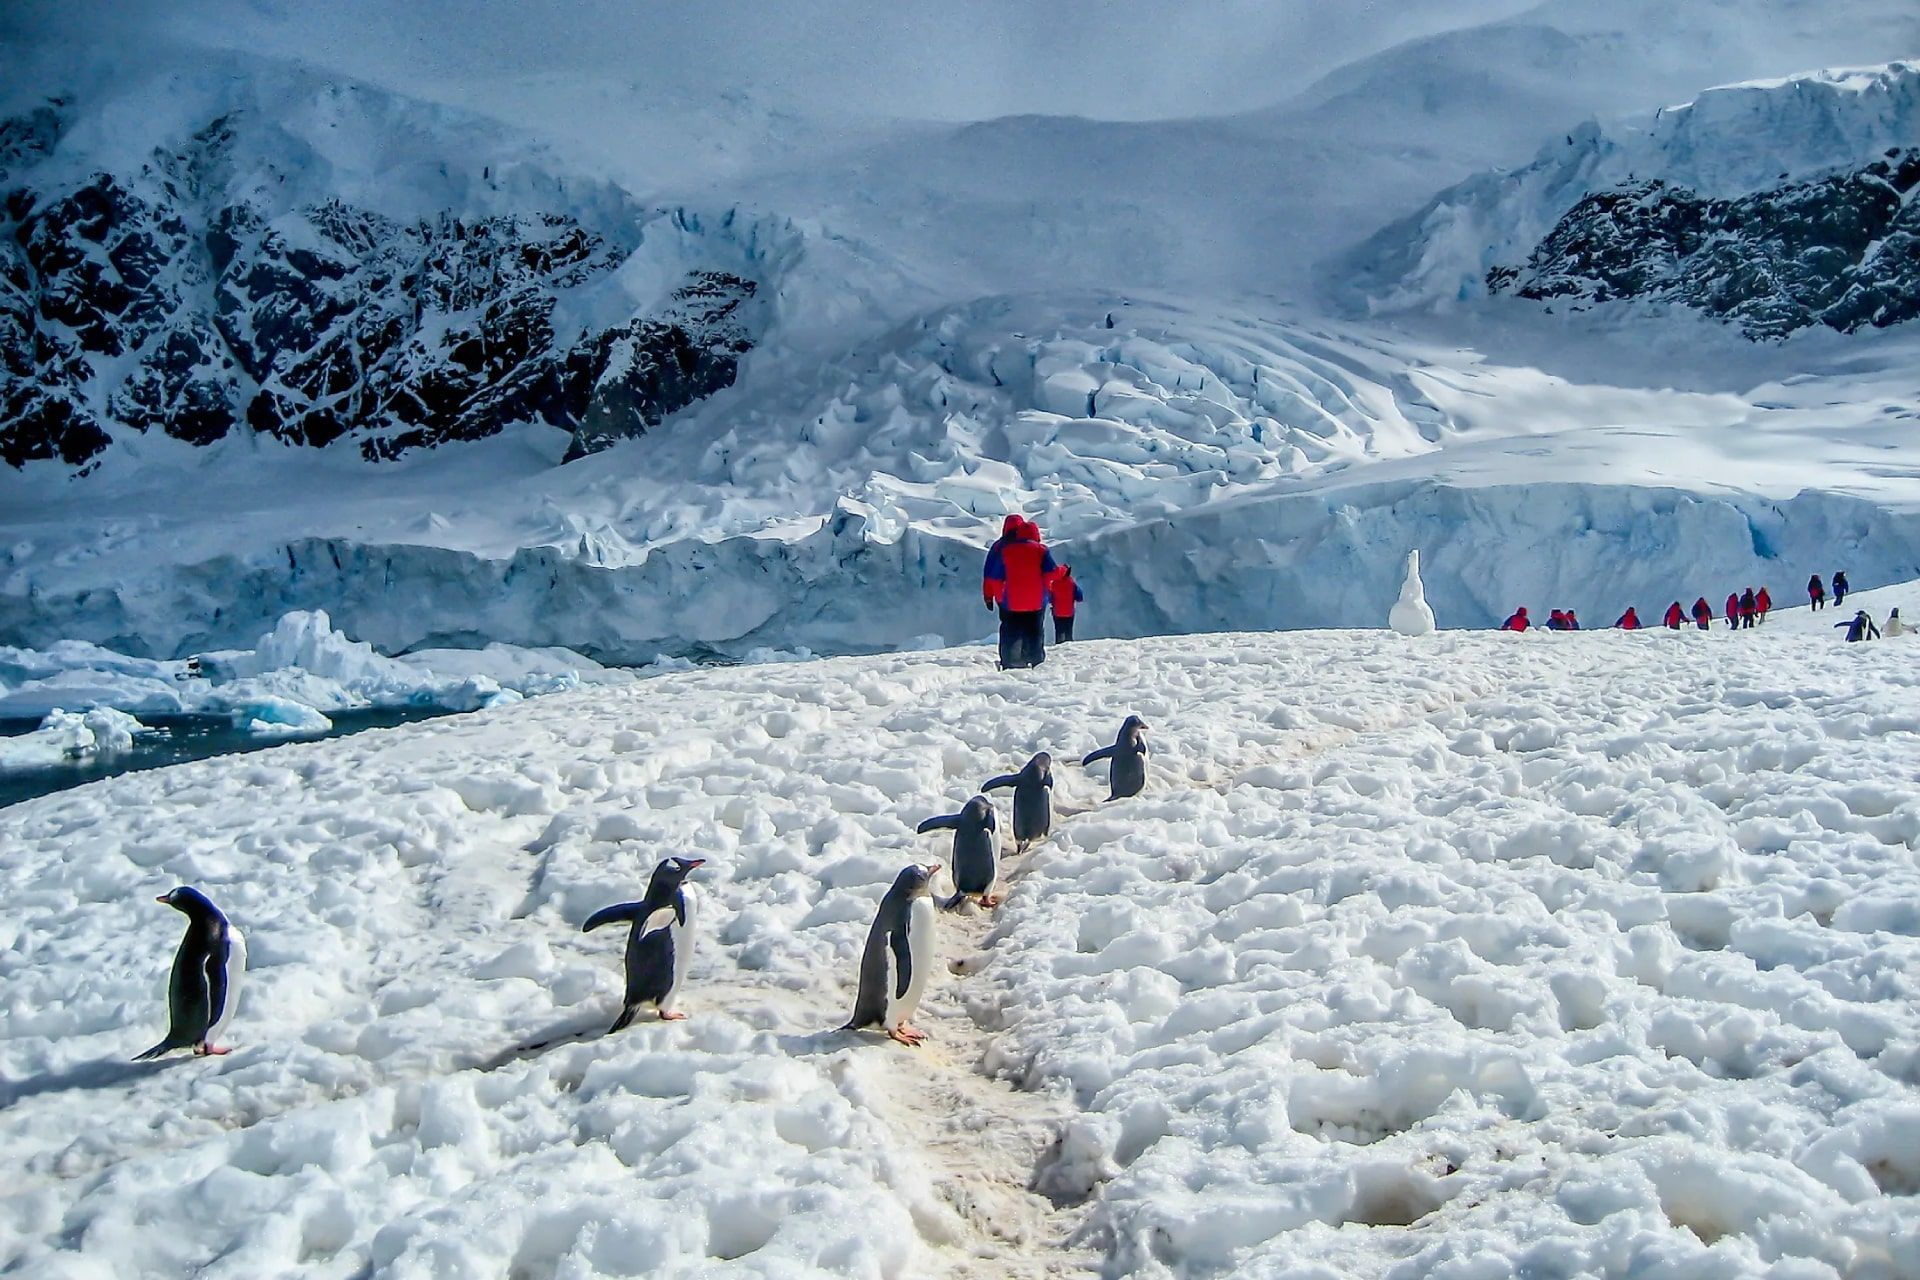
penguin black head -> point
(917, 878)
(1132, 729)
(1041, 766)
(189, 901)
(672, 871)
(979, 812)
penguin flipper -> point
(902, 962)
(611, 915)
(946, 822)
(1091, 757)
(1004, 780)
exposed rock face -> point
(157, 301)
(1842, 250)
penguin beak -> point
(933, 868)
(162, 898)
(695, 862)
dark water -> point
(181, 738)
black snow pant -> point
(1062, 628)
(1746, 620)
(1023, 642)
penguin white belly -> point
(921, 922)
(236, 976)
(681, 936)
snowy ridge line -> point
(1328, 556)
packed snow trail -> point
(1579, 954)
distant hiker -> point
(1702, 613)
(1628, 621)
(1816, 594)
(1860, 627)
(1762, 602)
(1557, 621)
(1674, 617)
(1840, 588)
(1749, 608)
(1065, 594)
(1733, 611)
(1017, 573)
(1894, 626)
(1517, 622)
(1573, 623)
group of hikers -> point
(1023, 582)
(1743, 609)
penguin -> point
(1032, 799)
(899, 957)
(204, 988)
(976, 851)
(1129, 756)
(660, 946)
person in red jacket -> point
(993, 581)
(1733, 610)
(1018, 572)
(1762, 602)
(1702, 613)
(1629, 621)
(1066, 594)
(1816, 594)
(1517, 622)
(1674, 617)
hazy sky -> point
(962, 59)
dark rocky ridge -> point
(155, 302)
(1842, 250)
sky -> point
(1118, 59)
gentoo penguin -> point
(1129, 756)
(660, 947)
(1032, 799)
(204, 989)
(976, 851)
(899, 957)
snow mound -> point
(1545, 952)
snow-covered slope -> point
(1541, 954)
(1776, 203)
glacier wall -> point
(1323, 558)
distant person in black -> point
(1816, 594)
(1749, 608)
(1860, 627)
(1840, 589)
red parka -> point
(1674, 616)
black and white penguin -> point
(898, 958)
(976, 851)
(1032, 799)
(660, 947)
(1129, 756)
(204, 988)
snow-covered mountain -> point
(1775, 204)
(682, 362)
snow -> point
(1560, 954)
(1411, 615)
(286, 683)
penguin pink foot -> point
(989, 899)
(211, 1050)
(907, 1035)
(672, 1017)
